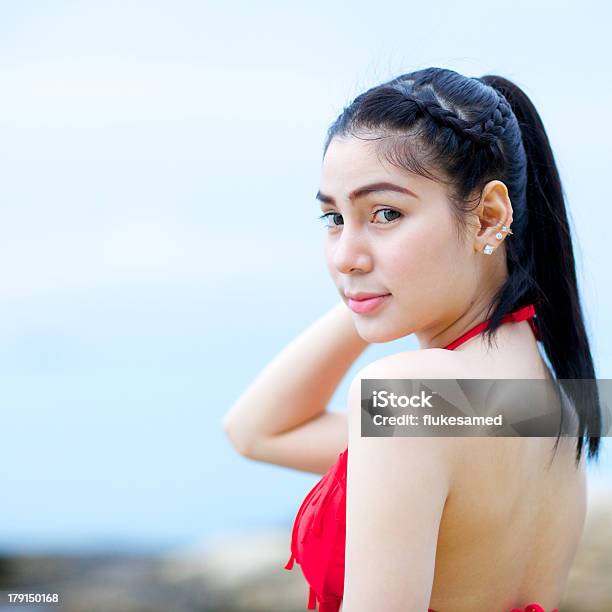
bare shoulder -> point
(420, 364)
(425, 363)
(442, 453)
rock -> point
(242, 572)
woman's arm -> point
(295, 387)
(397, 490)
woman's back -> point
(510, 527)
(513, 520)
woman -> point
(445, 219)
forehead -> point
(351, 162)
(347, 158)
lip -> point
(362, 295)
(362, 305)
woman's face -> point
(403, 244)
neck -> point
(444, 332)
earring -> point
(499, 235)
(488, 249)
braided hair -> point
(464, 132)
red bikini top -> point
(319, 530)
(522, 314)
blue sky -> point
(159, 166)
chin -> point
(376, 332)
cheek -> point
(423, 255)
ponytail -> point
(549, 248)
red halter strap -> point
(522, 314)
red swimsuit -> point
(319, 531)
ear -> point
(494, 211)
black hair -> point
(465, 132)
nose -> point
(350, 252)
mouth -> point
(363, 305)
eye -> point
(333, 216)
(388, 210)
(328, 215)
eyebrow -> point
(367, 189)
